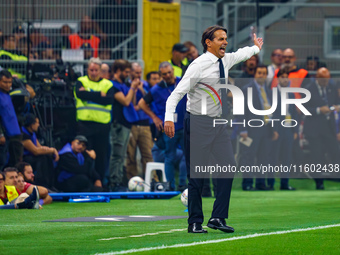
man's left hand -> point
(169, 128)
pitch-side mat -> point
(118, 218)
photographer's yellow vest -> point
(14, 57)
(11, 193)
(90, 111)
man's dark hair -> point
(30, 119)
(5, 73)
(209, 34)
(313, 58)
(3, 175)
(284, 69)
(261, 66)
(120, 64)
(9, 169)
(189, 44)
(21, 166)
(148, 76)
(256, 57)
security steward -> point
(94, 112)
(9, 53)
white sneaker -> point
(36, 203)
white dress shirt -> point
(204, 69)
(271, 73)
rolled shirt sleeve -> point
(192, 75)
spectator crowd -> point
(120, 116)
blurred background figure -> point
(276, 58)
(320, 127)
(178, 59)
(105, 71)
(86, 34)
(62, 41)
(18, 33)
(153, 78)
(248, 73)
(313, 64)
(192, 53)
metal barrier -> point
(114, 32)
(100, 28)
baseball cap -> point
(81, 138)
(180, 47)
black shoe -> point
(262, 187)
(287, 188)
(320, 187)
(217, 223)
(196, 228)
(32, 201)
(181, 188)
(248, 188)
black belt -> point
(203, 116)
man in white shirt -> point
(276, 58)
(203, 139)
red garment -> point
(26, 187)
(296, 78)
(76, 42)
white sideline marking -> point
(142, 235)
(109, 219)
(66, 225)
(218, 240)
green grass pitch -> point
(24, 232)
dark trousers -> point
(97, 135)
(320, 146)
(3, 156)
(281, 152)
(200, 142)
(15, 150)
(76, 183)
(256, 154)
